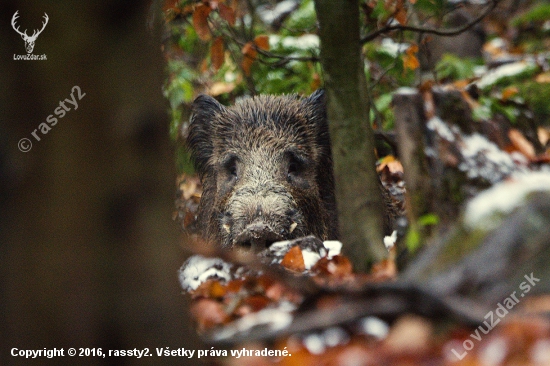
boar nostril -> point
(291, 212)
(257, 237)
(245, 244)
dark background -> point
(88, 249)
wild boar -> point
(266, 169)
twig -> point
(446, 33)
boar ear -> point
(199, 137)
(317, 97)
(316, 109)
(315, 105)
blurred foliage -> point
(521, 96)
(533, 28)
(537, 15)
(413, 238)
(536, 96)
(230, 49)
(452, 67)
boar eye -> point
(292, 167)
(296, 164)
(229, 164)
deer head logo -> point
(29, 40)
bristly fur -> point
(265, 162)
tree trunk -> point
(410, 126)
(358, 196)
(89, 254)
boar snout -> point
(257, 236)
(256, 217)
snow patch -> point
(507, 70)
(441, 128)
(334, 248)
(393, 48)
(503, 198)
(389, 241)
(334, 336)
(374, 327)
(198, 269)
(405, 90)
(310, 258)
(270, 14)
(314, 344)
(280, 248)
(483, 159)
(273, 318)
(305, 42)
(540, 352)
(494, 351)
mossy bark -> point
(359, 200)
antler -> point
(35, 34)
(15, 16)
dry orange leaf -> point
(227, 13)
(210, 289)
(543, 78)
(401, 16)
(315, 82)
(262, 42)
(264, 282)
(249, 53)
(170, 4)
(294, 260)
(247, 64)
(543, 135)
(189, 219)
(509, 92)
(234, 286)
(221, 87)
(338, 266)
(386, 269)
(248, 49)
(204, 66)
(207, 313)
(189, 186)
(394, 165)
(409, 59)
(410, 334)
(521, 143)
(217, 53)
(200, 21)
(275, 291)
(256, 302)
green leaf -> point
(455, 68)
(412, 240)
(428, 220)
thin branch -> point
(286, 59)
(282, 59)
(446, 33)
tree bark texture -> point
(89, 252)
(410, 126)
(358, 196)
